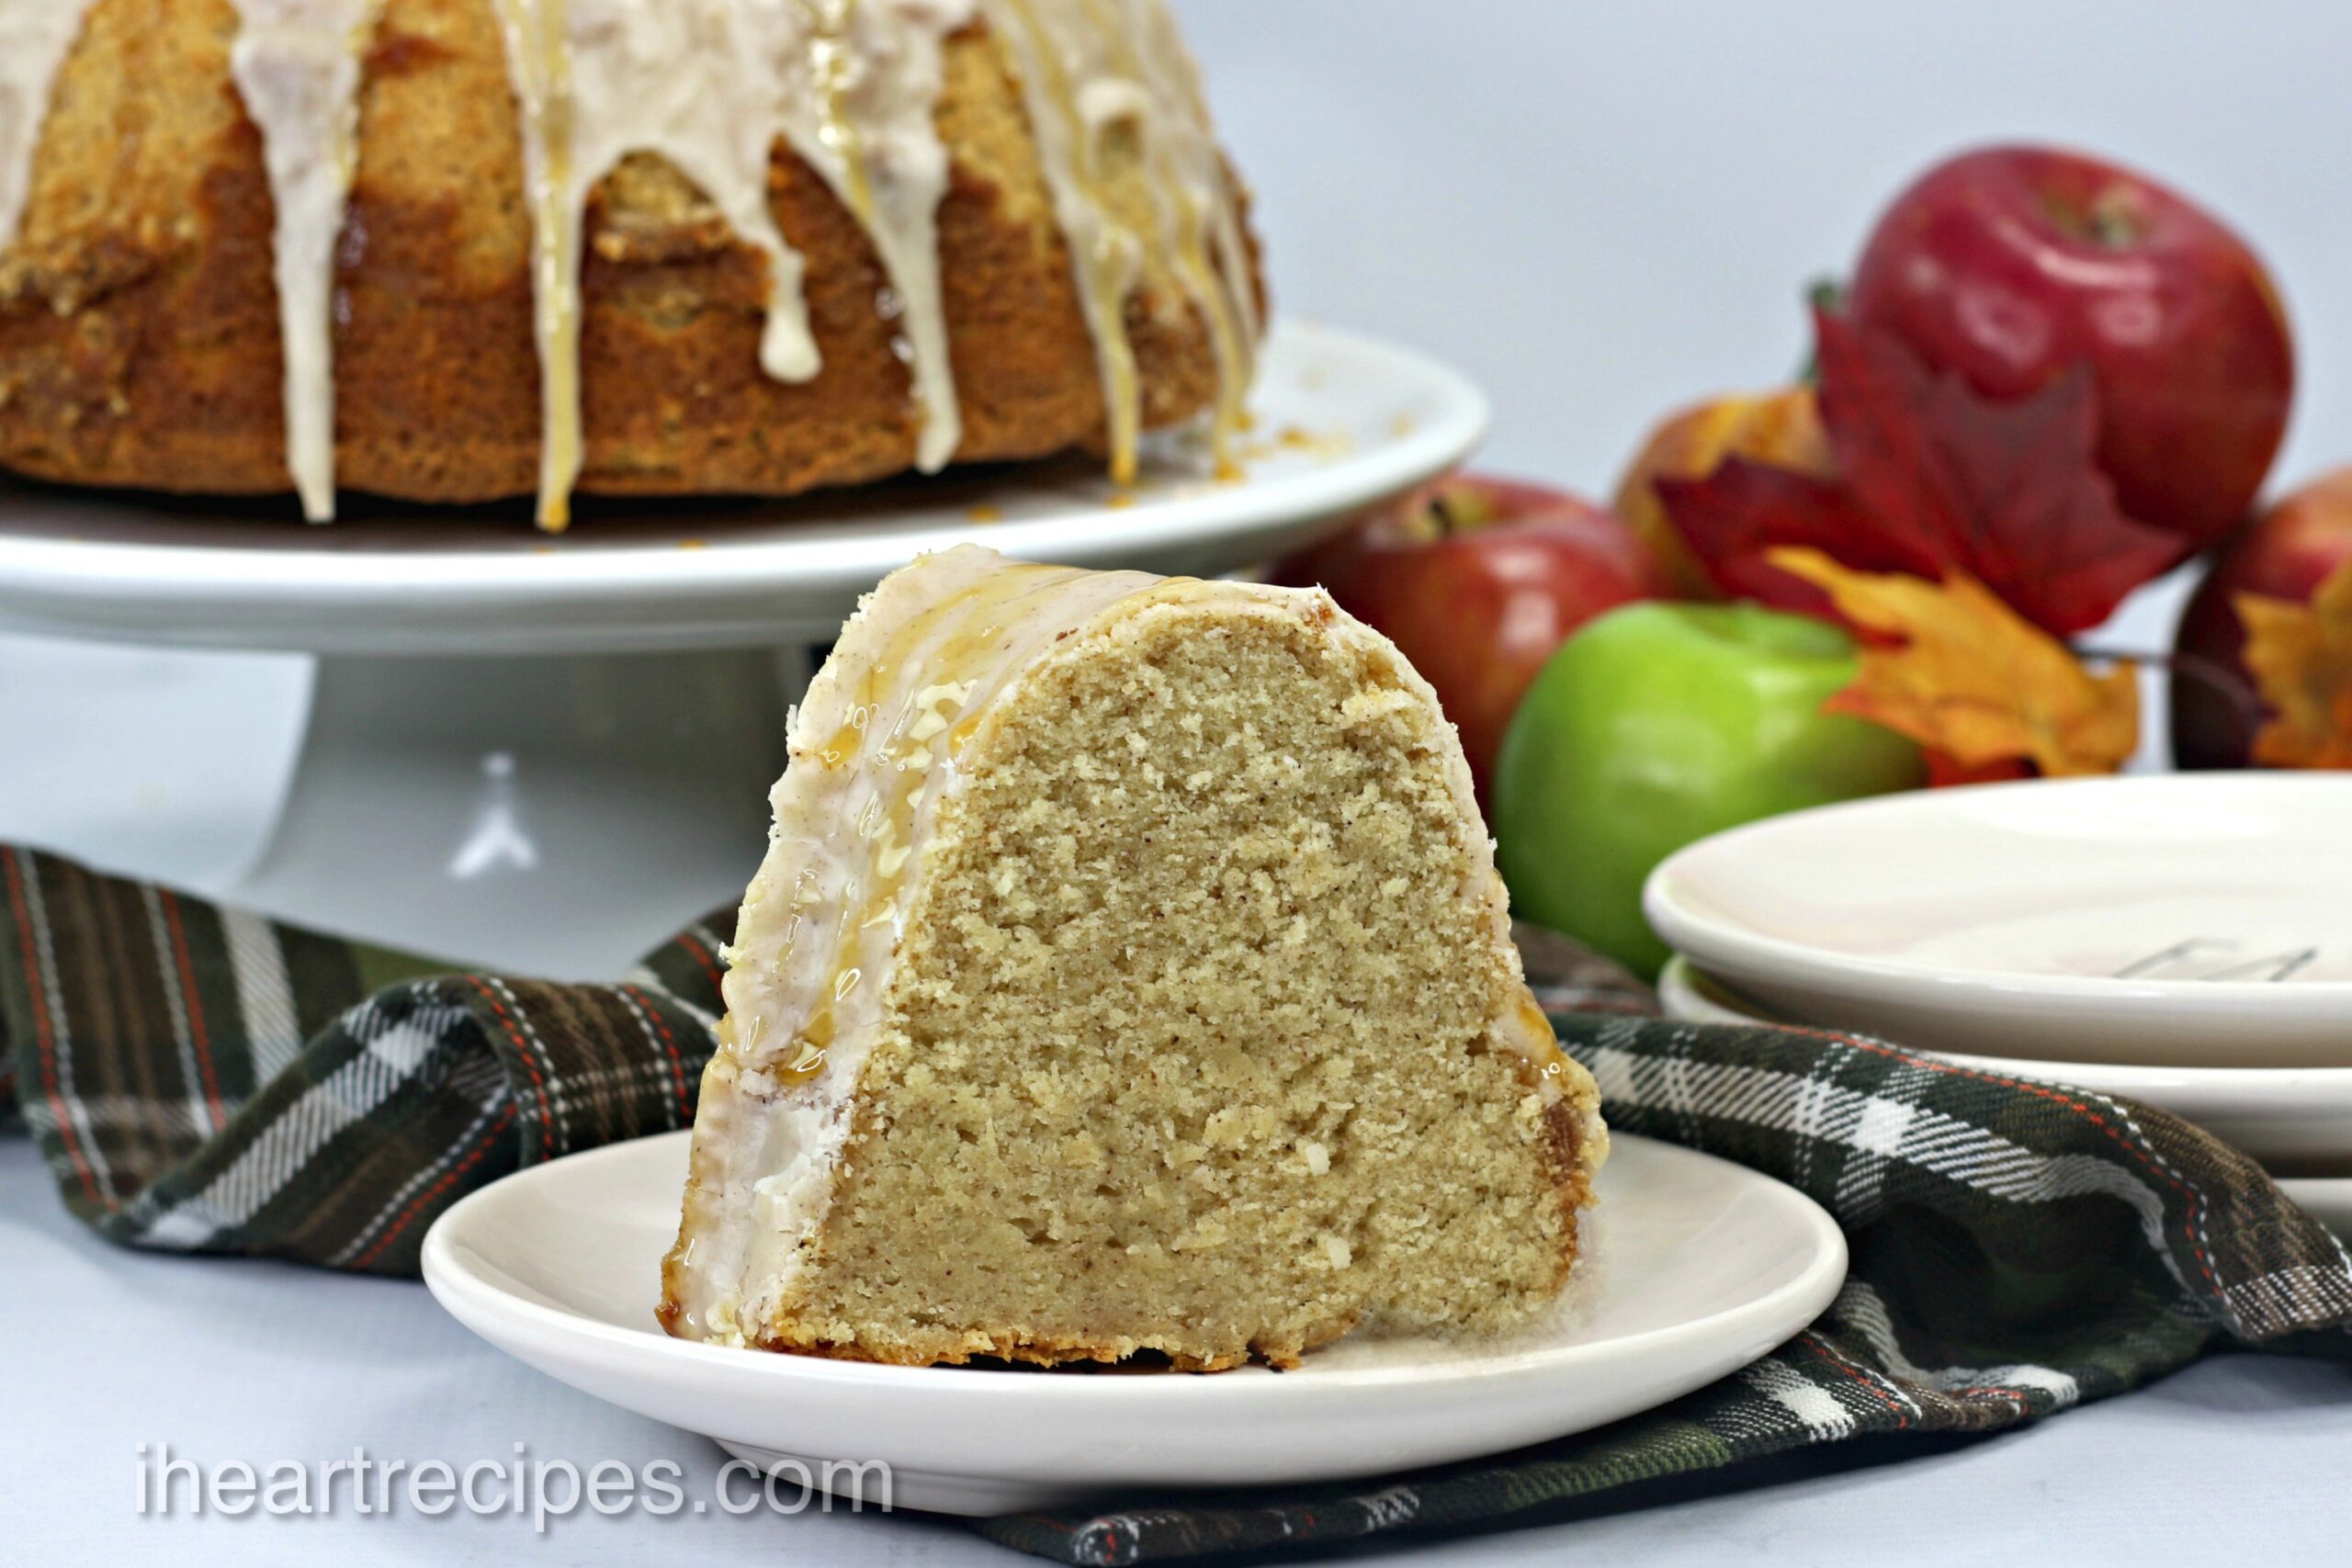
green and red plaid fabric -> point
(201, 1079)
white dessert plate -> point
(1697, 1266)
(2295, 1120)
(1340, 421)
(2189, 919)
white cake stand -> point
(508, 730)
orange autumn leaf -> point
(1971, 677)
(2301, 656)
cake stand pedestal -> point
(477, 808)
(539, 752)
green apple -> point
(1656, 725)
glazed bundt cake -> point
(1128, 972)
(455, 249)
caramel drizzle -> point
(711, 86)
(1230, 288)
(1535, 1042)
(697, 82)
(921, 738)
(917, 742)
(830, 51)
(891, 174)
(1106, 256)
(1178, 137)
(1078, 60)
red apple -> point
(2011, 265)
(1476, 580)
(2287, 554)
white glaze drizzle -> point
(872, 746)
(1094, 72)
(867, 131)
(296, 64)
(34, 38)
(710, 86)
(1200, 211)
(1073, 92)
(597, 80)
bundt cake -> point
(457, 249)
(1128, 972)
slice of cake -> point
(1128, 972)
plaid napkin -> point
(201, 1079)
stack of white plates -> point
(2185, 940)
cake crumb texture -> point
(1189, 1045)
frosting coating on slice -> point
(874, 749)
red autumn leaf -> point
(1933, 476)
(2010, 492)
(1733, 516)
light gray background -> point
(1601, 212)
(1604, 210)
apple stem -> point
(2115, 218)
(2211, 674)
(1822, 294)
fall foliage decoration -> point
(1782, 428)
(2301, 656)
(1957, 670)
(1931, 478)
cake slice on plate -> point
(1128, 972)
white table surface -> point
(167, 764)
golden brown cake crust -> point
(139, 339)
